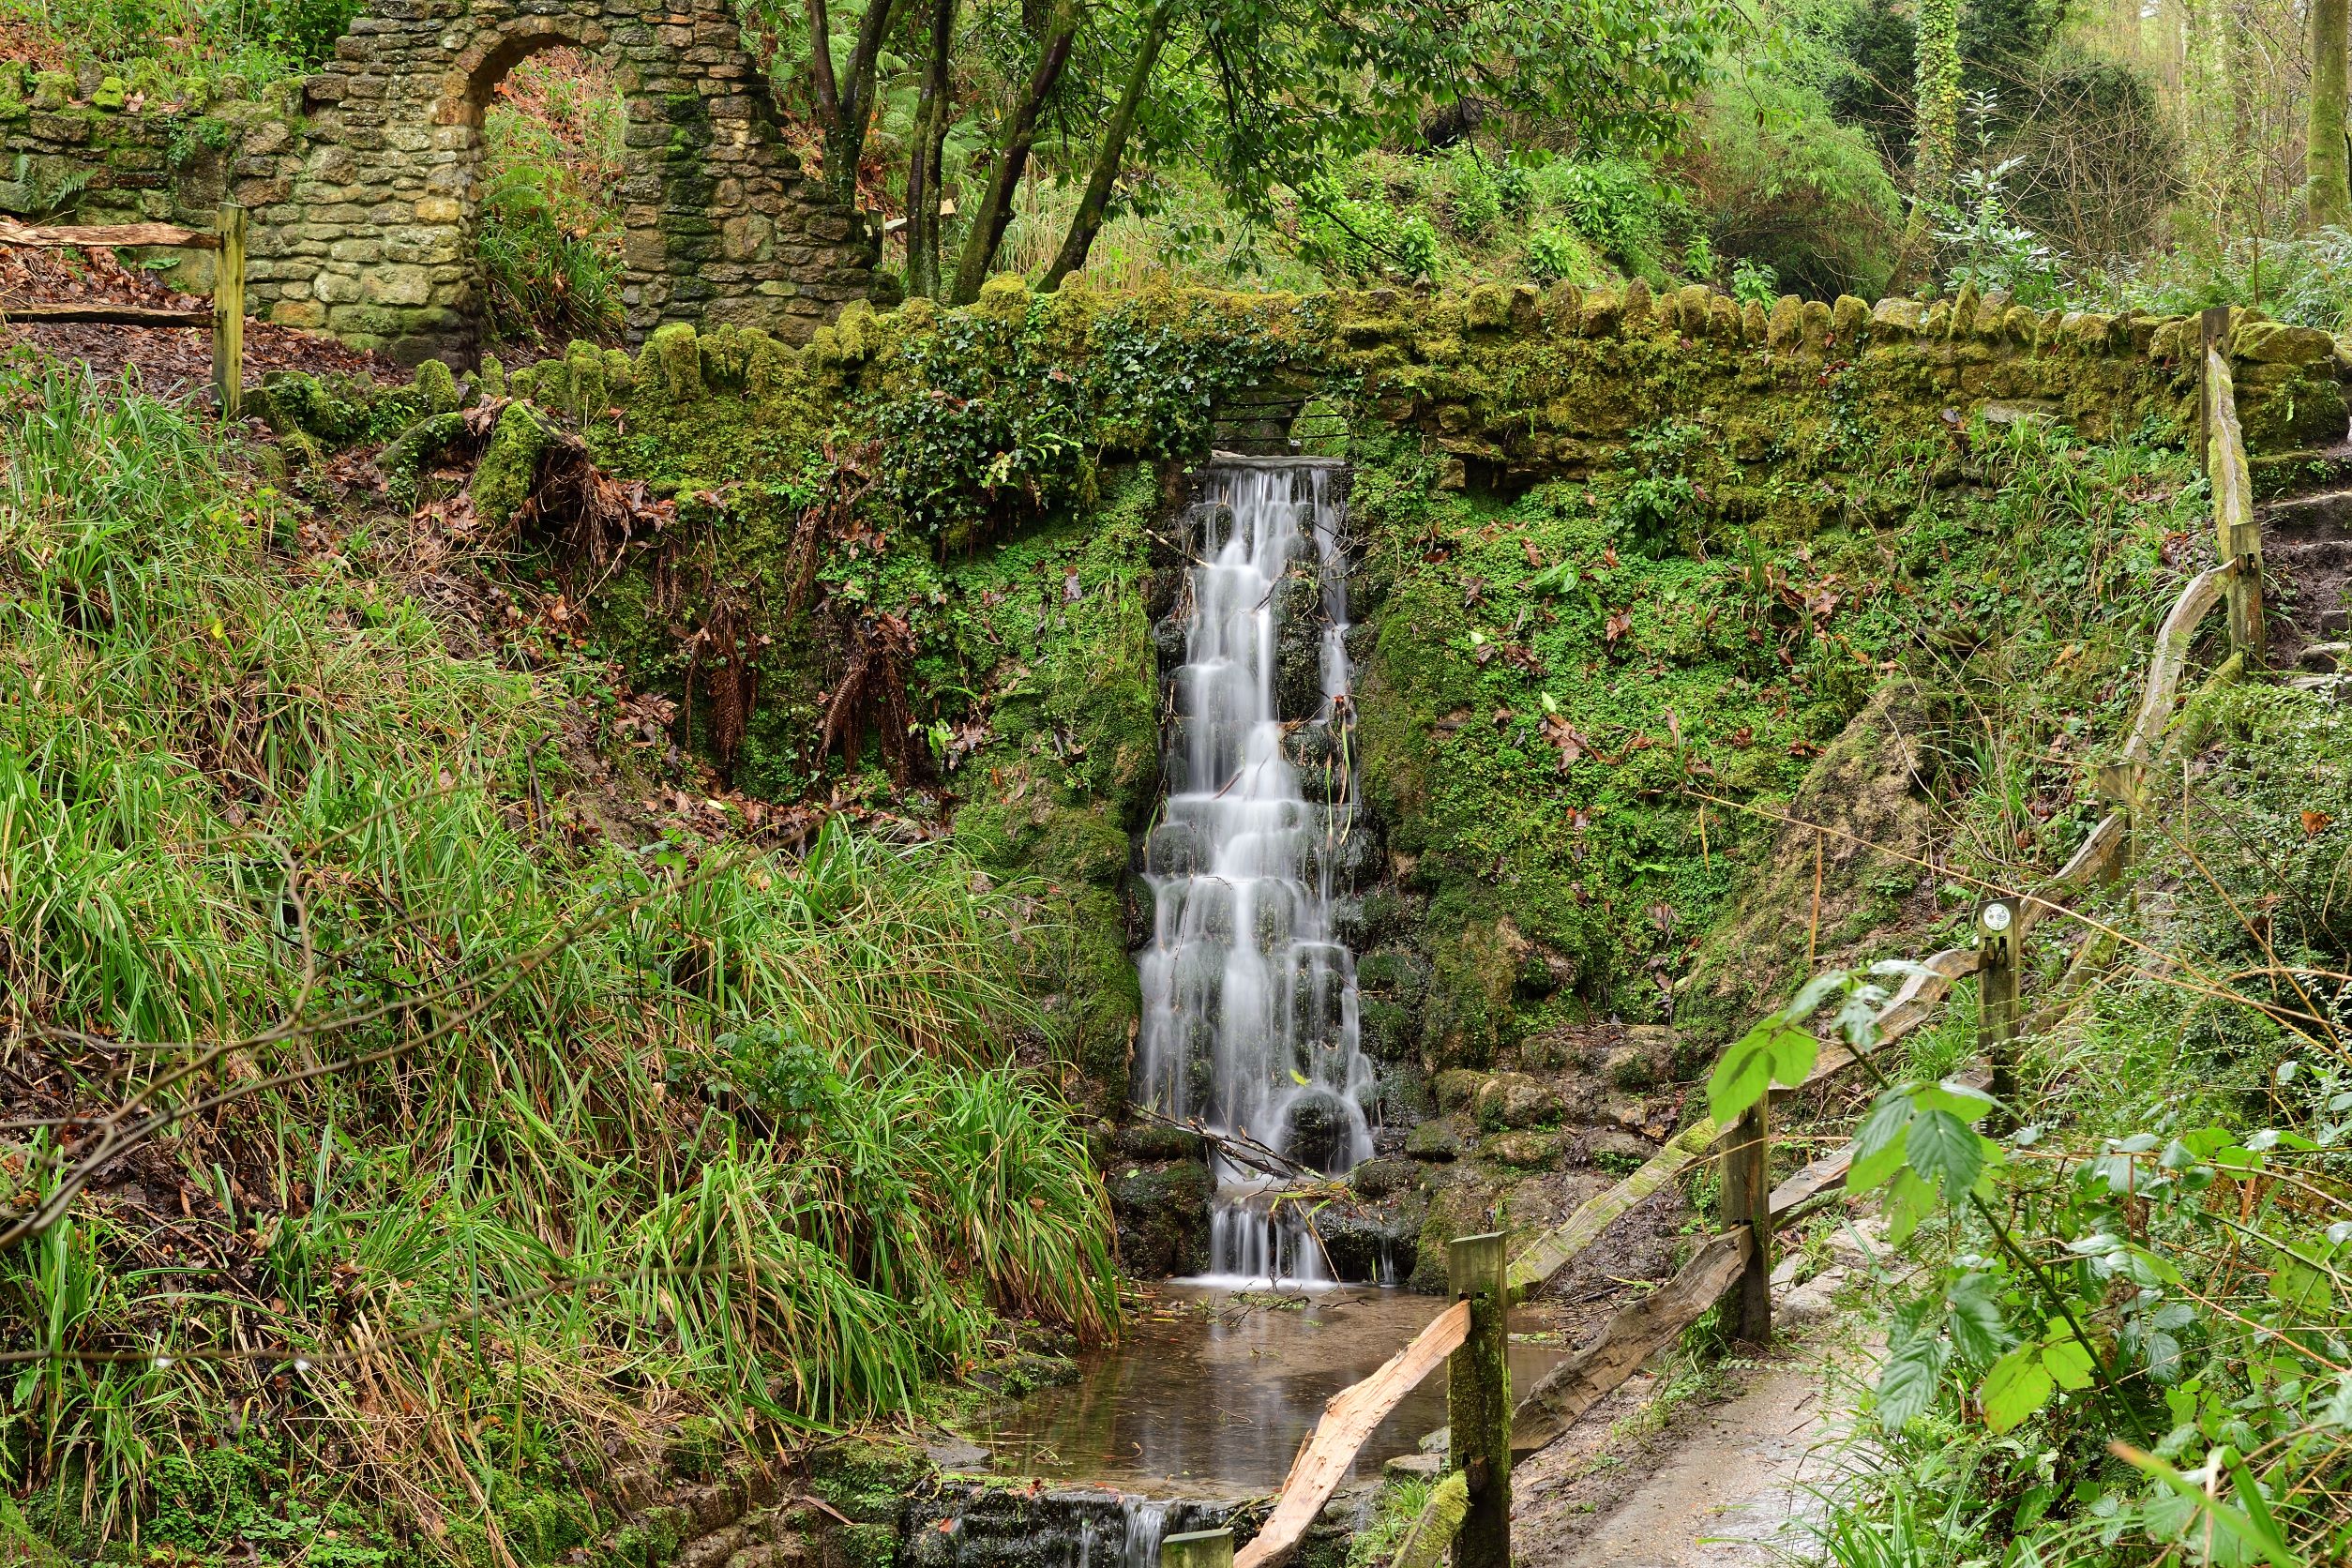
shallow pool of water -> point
(1210, 1392)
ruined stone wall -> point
(364, 187)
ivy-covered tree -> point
(1936, 121)
(2328, 173)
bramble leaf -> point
(1944, 1148)
(2017, 1386)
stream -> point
(1211, 1393)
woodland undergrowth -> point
(393, 1137)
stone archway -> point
(378, 241)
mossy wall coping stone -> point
(1521, 384)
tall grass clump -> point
(453, 1101)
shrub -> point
(1753, 282)
(1618, 204)
(1349, 239)
(1474, 200)
(1556, 255)
(1777, 181)
(2307, 281)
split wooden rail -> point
(226, 318)
(1471, 1510)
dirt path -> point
(1719, 1484)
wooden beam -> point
(112, 315)
(1745, 1193)
(1349, 1417)
(1197, 1548)
(2238, 536)
(1478, 1399)
(120, 235)
(228, 314)
(1556, 1248)
(2170, 657)
(1627, 1340)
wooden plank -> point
(1348, 1418)
(2094, 863)
(1627, 1340)
(112, 315)
(2171, 654)
(1558, 1247)
(125, 235)
(228, 314)
(1809, 1184)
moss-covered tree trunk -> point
(925, 176)
(1936, 129)
(1087, 221)
(2327, 170)
(987, 234)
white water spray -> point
(1249, 1004)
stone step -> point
(2327, 511)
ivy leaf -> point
(2017, 1386)
(1879, 1142)
(1907, 1386)
(1944, 1148)
(2067, 1360)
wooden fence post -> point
(1478, 1399)
(228, 313)
(2238, 533)
(1997, 1002)
(1199, 1548)
(2213, 328)
(1747, 1200)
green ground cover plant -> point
(475, 1144)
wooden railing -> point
(1471, 1509)
(226, 318)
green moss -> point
(510, 462)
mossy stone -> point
(510, 461)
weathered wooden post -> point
(1199, 1548)
(1747, 1200)
(1478, 1399)
(2212, 330)
(228, 313)
(1996, 1001)
(2238, 533)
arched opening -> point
(547, 222)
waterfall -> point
(1249, 1004)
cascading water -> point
(1249, 1004)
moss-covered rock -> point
(510, 461)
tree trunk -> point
(1936, 128)
(1012, 156)
(843, 111)
(2326, 173)
(1087, 221)
(924, 175)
